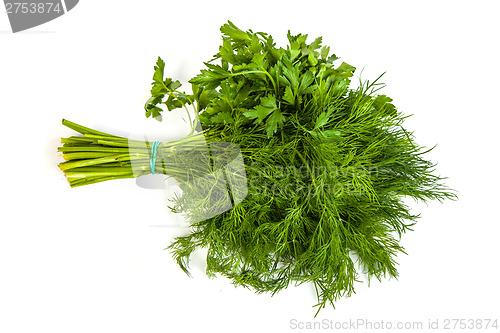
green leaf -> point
(208, 79)
(152, 101)
(292, 74)
(316, 44)
(321, 120)
(217, 69)
(223, 117)
(294, 53)
(159, 69)
(205, 97)
(289, 97)
(328, 135)
(174, 85)
(158, 83)
(332, 58)
(325, 50)
(306, 80)
(242, 94)
(244, 67)
(258, 60)
(259, 113)
(312, 59)
(277, 54)
(226, 51)
(211, 78)
(345, 70)
(151, 107)
(172, 103)
(382, 102)
(232, 31)
(154, 111)
(255, 46)
(275, 120)
(267, 108)
(161, 85)
(158, 89)
(269, 101)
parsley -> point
(326, 166)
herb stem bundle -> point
(97, 156)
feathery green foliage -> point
(327, 167)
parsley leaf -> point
(232, 31)
(165, 91)
(260, 112)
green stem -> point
(98, 156)
(85, 130)
(259, 72)
(172, 93)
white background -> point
(91, 259)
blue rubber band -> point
(152, 159)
